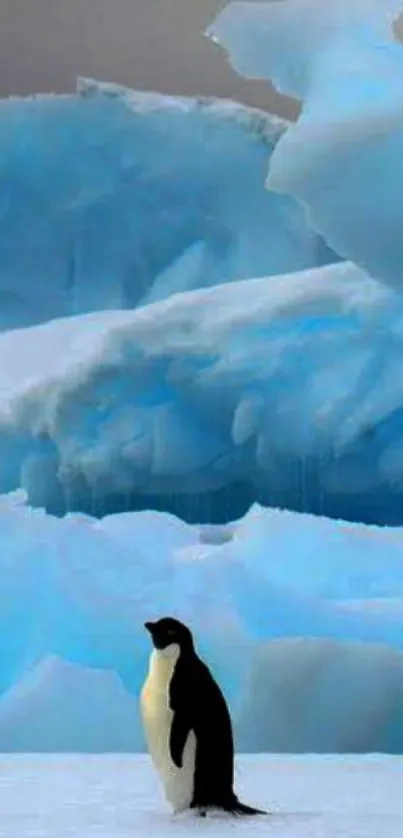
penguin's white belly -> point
(157, 719)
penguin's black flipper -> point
(180, 729)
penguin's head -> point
(169, 633)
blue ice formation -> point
(343, 158)
(111, 199)
(200, 404)
(74, 593)
(323, 696)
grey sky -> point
(148, 44)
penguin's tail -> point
(238, 808)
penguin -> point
(188, 725)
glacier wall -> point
(201, 405)
(112, 199)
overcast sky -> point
(147, 44)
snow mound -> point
(199, 405)
(61, 707)
(342, 159)
(111, 198)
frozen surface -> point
(117, 797)
(200, 405)
(343, 158)
(112, 198)
(311, 606)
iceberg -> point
(342, 159)
(199, 405)
(112, 199)
(184, 360)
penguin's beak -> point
(149, 626)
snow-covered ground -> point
(118, 797)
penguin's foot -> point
(212, 812)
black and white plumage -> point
(188, 725)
